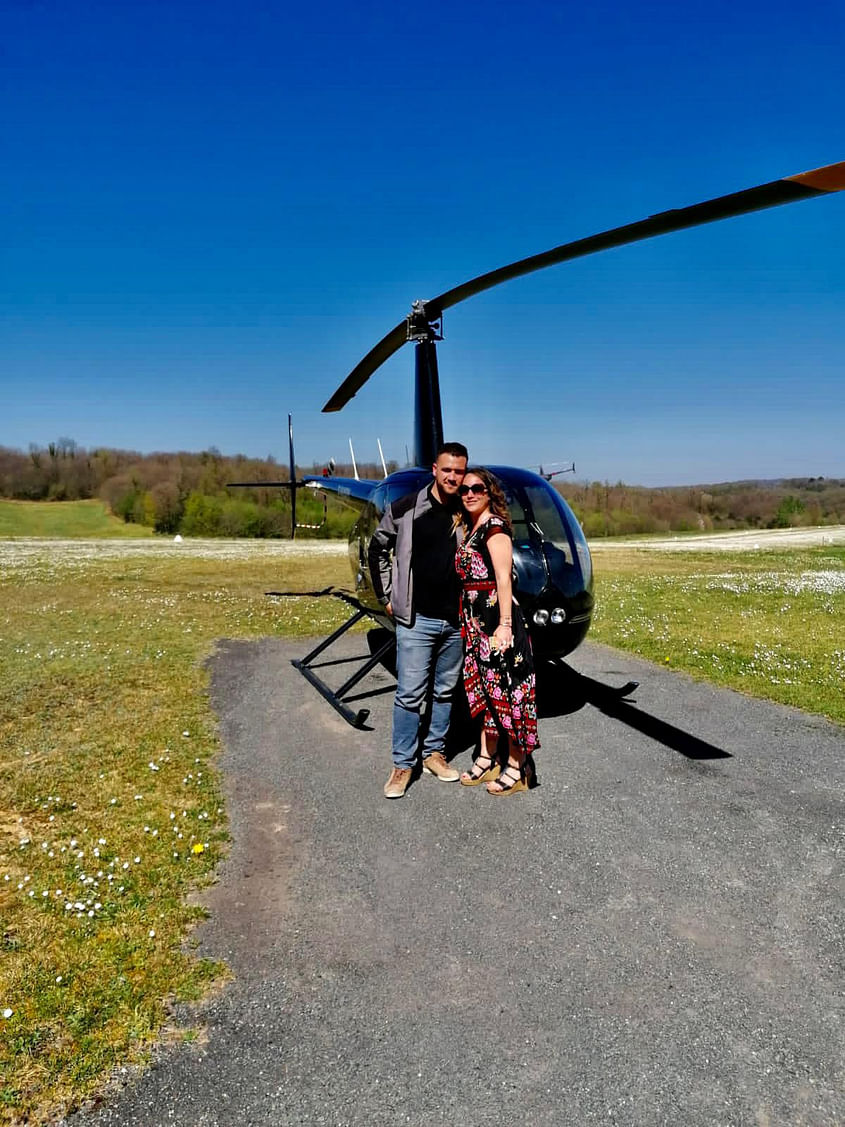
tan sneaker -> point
(397, 784)
(436, 764)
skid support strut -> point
(357, 718)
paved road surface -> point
(653, 936)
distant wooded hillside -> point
(171, 493)
(614, 510)
(187, 493)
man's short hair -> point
(456, 449)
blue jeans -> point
(431, 644)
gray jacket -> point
(389, 554)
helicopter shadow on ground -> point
(562, 690)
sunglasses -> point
(478, 488)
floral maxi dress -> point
(501, 685)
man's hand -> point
(389, 608)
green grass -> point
(771, 624)
(109, 798)
(63, 520)
(106, 733)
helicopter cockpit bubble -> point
(552, 566)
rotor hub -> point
(420, 328)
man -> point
(412, 566)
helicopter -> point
(553, 573)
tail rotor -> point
(293, 481)
(292, 484)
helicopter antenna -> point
(424, 324)
(354, 467)
(381, 455)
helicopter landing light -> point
(558, 616)
(541, 617)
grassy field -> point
(771, 624)
(110, 808)
(63, 519)
(109, 804)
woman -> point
(498, 666)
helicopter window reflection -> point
(519, 518)
(549, 520)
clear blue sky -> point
(212, 210)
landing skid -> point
(335, 697)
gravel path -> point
(653, 937)
(771, 539)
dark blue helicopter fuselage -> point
(553, 571)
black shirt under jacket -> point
(437, 588)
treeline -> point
(618, 510)
(187, 493)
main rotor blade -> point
(805, 185)
(373, 360)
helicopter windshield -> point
(535, 516)
(548, 519)
(539, 513)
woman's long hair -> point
(498, 504)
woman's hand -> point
(502, 637)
